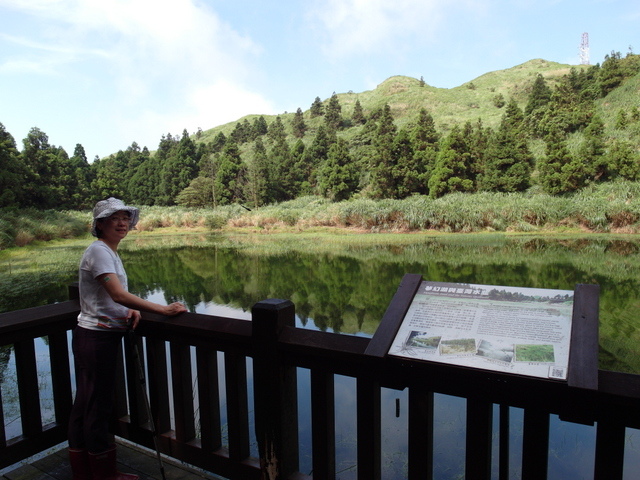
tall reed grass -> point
(152, 218)
(608, 207)
(22, 227)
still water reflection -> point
(345, 287)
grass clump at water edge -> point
(19, 228)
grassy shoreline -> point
(612, 208)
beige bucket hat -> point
(106, 208)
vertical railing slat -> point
(158, 384)
(181, 382)
(478, 444)
(610, 443)
(208, 399)
(235, 367)
(503, 455)
(368, 429)
(27, 376)
(535, 445)
(60, 376)
(420, 434)
(3, 432)
(121, 407)
(323, 427)
(137, 410)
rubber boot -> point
(103, 466)
(79, 460)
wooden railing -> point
(185, 351)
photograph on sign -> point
(525, 331)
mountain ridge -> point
(406, 95)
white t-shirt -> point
(97, 310)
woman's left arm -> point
(118, 294)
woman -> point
(107, 310)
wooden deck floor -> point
(131, 459)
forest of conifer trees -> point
(260, 163)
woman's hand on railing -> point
(174, 308)
(134, 318)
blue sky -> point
(106, 73)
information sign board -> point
(525, 331)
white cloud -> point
(224, 102)
(364, 26)
(173, 42)
(20, 66)
(156, 65)
(204, 107)
(45, 58)
(48, 47)
(210, 105)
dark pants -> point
(95, 356)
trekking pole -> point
(143, 385)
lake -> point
(343, 284)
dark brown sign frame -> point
(583, 345)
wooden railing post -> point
(275, 391)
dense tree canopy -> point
(453, 171)
(508, 162)
(12, 171)
(298, 125)
(258, 161)
(338, 176)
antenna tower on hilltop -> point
(584, 49)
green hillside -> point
(448, 106)
(541, 123)
(625, 98)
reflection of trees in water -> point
(328, 289)
(10, 395)
(18, 291)
(33, 276)
(10, 398)
(5, 356)
(347, 288)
